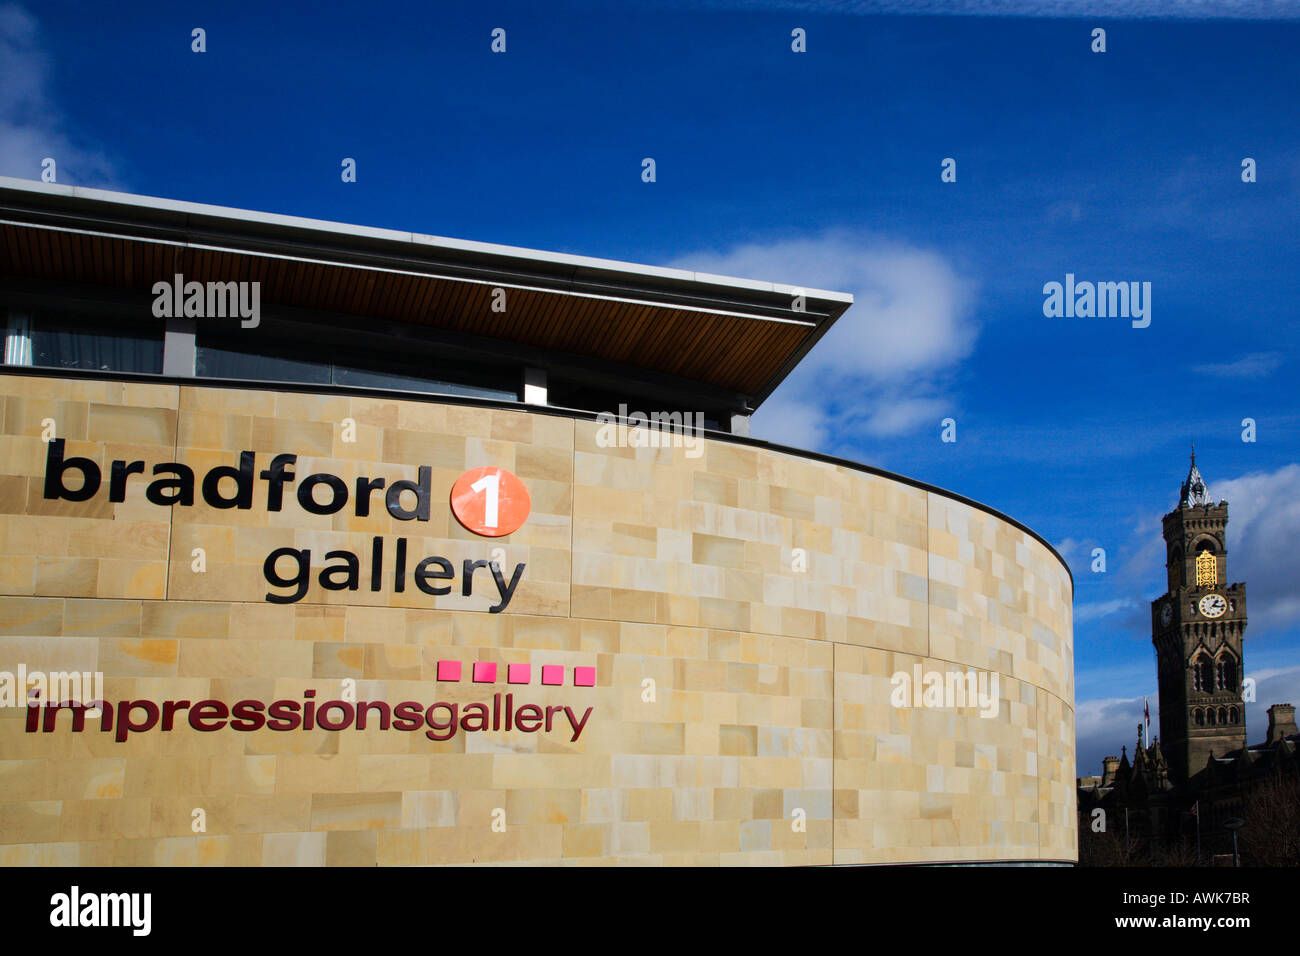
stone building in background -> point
(1200, 771)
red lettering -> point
(536, 715)
(169, 709)
(213, 710)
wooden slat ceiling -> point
(745, 354)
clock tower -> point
(1197, 627)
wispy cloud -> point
(878, 371)
(1096, 610)
(1256, 365)
(31, 125)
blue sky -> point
(818, 169)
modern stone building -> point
(382, 548)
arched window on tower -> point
(1207, 570)
(1200, 717)
(1210, 714)
(1202, 674)
(1223, 715)
(1232, 715)
(1226, 673)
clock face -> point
(1166, 615)
(1212, 605)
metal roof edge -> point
(188, 212)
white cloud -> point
(1072, 549)
(31, 125)
(1146, 550)
(1263, 528)
(877, 371)
(1065, 211)
(794, 422)
(1101, 727)
(1271, 687)
(1255, 365)
(1099, 609)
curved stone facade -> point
(740, 614)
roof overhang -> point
(732, 334)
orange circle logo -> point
(490, 501)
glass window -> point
(278, 359)
(565, 394)
(216, 362)
(109, 343)
(372, 378)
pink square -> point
(448, 670)
(519, 673)
(552, 674)
(584, 677)
(484, 672)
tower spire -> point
(1194, 491)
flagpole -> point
(1197, 813)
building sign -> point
(489, 501)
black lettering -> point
(351, 568)
(467, 580)
(506, 591)
(275, 477)
(364, 487)
(393, 497)
(243, 476)
(182, 486)
(117, 478)
(301, 581)
(422, 575)
(309, 502)
(399, 567)
(55, 466)
(376, 562)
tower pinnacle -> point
(1194, 491)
